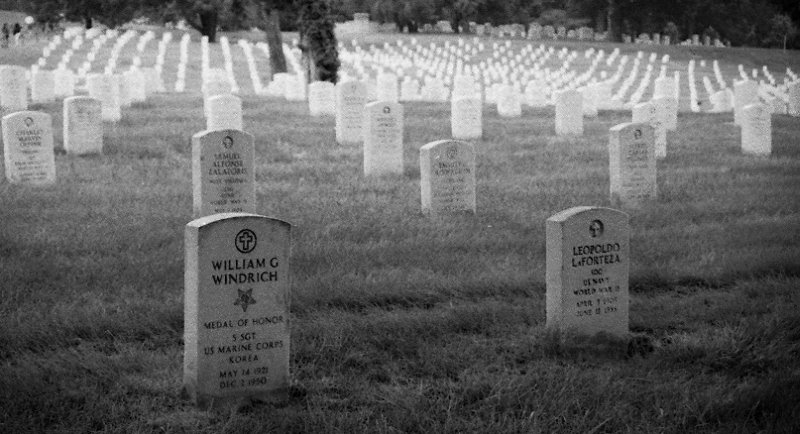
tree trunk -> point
(614, 22)
(277, 61)
(208, 25)
(88, 20)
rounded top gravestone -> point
(236, 309)
(587, 270)
(28, 148)
(223, 172)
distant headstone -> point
(447, 177)
(745, 92)
(321, 98)
(105, 88)
(64, 82)
(83, 125)
(466, 118)
(587, 270)
(569, 113)
(296, 87)
(13, 88)
(794, 98)
(351, 96)
(216, 86)
(136, 85)
(224, 112)
(632, 164)
(43, 87)
(28, 148)
(236, 309)
(647, 112)
(223, 172)
(508, 102)
(756, 130)
(383, 138)
(387, 87)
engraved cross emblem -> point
(245, 241)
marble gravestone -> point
(447, 177)
(632, 164)
(351, 96)
(466, 118)
(105, 88)
(224, 112)
(745, 92)
(508, 102)
(28, 148)
(794, 98)
(43, 86)
(236, 310)
(223, 172)
(13, 88)
(383, 138)
(756, 130)
(648, 112)
(321, 100)
(217, 85)
(569, 113)
(83, 125)
(587, 270)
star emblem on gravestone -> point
(227, 142)
(637, 134)
(387, 109)
(28, 122)
(245, 299)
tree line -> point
(762, 23)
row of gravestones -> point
(113, 90)
(28, 136)
(28, 149)
(237, 333)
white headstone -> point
(224, 112)
(28, 148)
(383, 138)
(43, 86)
(508, 102)
(466, 118)
(136, 86)
(794, 98)
(756, 129)
(351, 96)
(569, 113)
(13, 88)
(223, 172)
(105, 88)
(745, 92)
(387, 87)
(588, 262)
(647, 112)
(632, 164)
(447, 177)
(83, 125)
(321, 98)
(64, 82)
(236, 309)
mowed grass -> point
(401, 323)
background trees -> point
(741, 22)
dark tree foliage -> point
(317, 40)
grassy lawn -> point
(401, 323)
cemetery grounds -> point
(401, 323)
